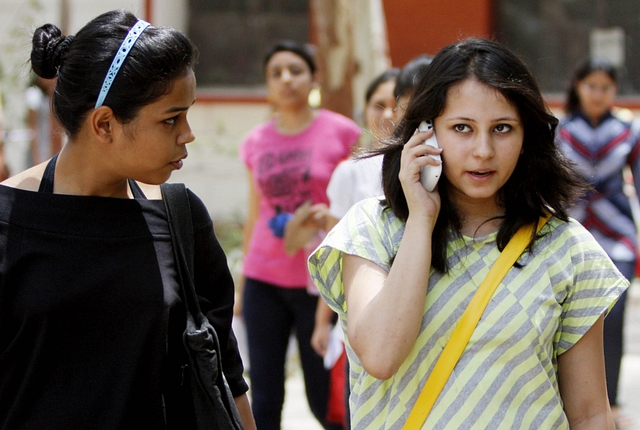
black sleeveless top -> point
(90, 311)
(46, 183)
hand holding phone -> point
(429, 175)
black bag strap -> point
(176, 203)
(178, 208)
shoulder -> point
(28, 180)
(622, 114)
(570, 232)
(338, 120)
(261, 136)
(343, 169)
(370, 230)
(199, 211)
(568, 119)
(569, 243)
(258, 133)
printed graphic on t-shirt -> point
(285, 180)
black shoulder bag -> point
(212, 400)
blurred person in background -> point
(379, 108)
(406, 82)
(356, 179)
(602, 141)
(290, 159)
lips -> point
(177, 164)
(481, 174)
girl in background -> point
(603, 143)
(290, 159)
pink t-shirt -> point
(287, 171)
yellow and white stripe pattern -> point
(506, 377)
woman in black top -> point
(90, 313)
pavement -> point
(297, 416)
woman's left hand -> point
(307, 221)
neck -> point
(82, 172)
(293, 121)
(480, 218)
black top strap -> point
(46, 183)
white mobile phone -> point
(429, 175)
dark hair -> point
(410, 74)
(302, 51)
(584, 69)
(543, 179)
(386, 76)
(81, 62)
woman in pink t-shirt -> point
(290, 160)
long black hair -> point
(543, 179)
(584, 69)
(80, 63)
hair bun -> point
(48, 49)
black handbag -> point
(213, 402)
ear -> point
(103, 123)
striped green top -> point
(506, 377)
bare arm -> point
(385, 309)
(582, 382)
(322, 328)
(246, 415)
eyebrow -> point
(462, 118)
(179, 108)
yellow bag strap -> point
(467, 324)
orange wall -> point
(424, 26)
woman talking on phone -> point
(401, 271)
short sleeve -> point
(587, 284)
(368, 231)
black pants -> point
(271, 313)
(614, 336)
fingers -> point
(416, 145)
(302, 211)
(416, 155)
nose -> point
(388, 112)
(186, 136)
(483, 146)
(286, 75)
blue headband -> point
(123, 51)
